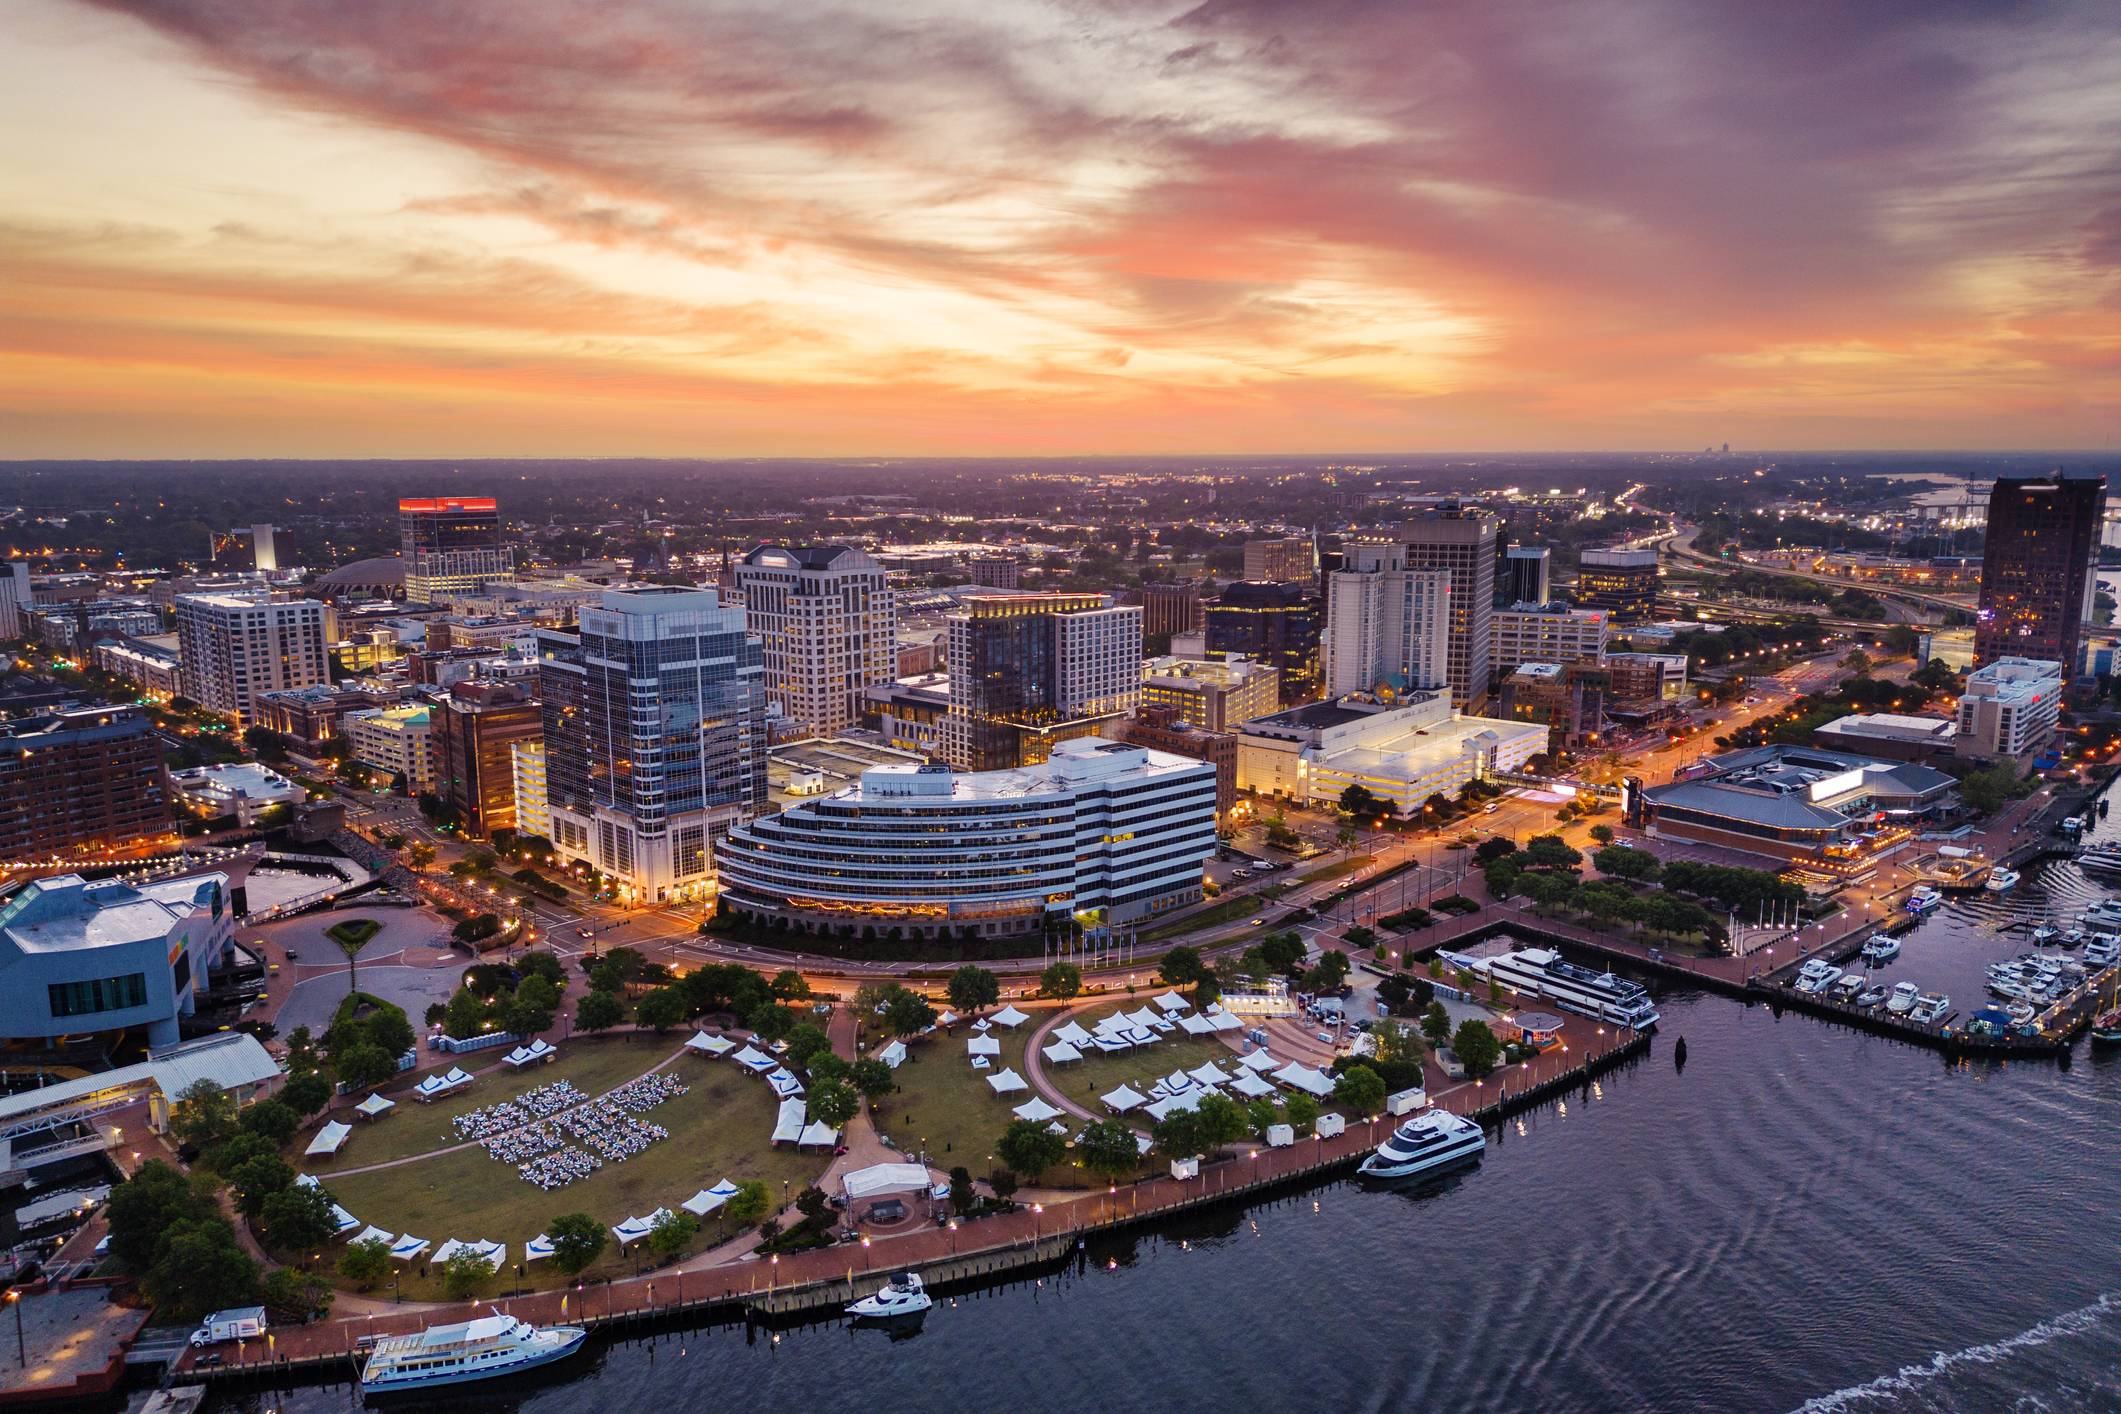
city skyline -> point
(1015, 229)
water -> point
(1805, 1218)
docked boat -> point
(1925, 899)
(1929, 1007)
(1871, 996)
(1603, 996)
(481, 1349)
(903, 1295)
(2104, 915)
(1816, 976)
(1881, 949)
(1428, 1141)
(2108, 859)
(2002, 880)
(2045, 933)
(2106, 1028)
(1848, 985)
(1902, 998)
(2071, 938)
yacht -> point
(1848, 985)
(1428, 1141)
(1540, 972)
(469, 1350)
(2104, 914)
(2045, 933)
(1870, 996)
(1929, 1007)
(903, 1295)
(1903, 997)
(2010, 991)
(2072, 938)
(1816, 976)
(2002, 880)
(2106, 1026)
(2100, 858)
(1924, 899)
(1881, 949)
(2102, 950)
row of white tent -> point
(793, 1126)
(531, 1054)
(1183, 1089)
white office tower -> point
(14, 598)
(231, 647)
(828, 623)
(262, 554)
(1386, 625)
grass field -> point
(593, 1066)
(1141, 1066)
(717, 1130)
(946, 1105)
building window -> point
(100, 994)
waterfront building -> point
(2037, 567)
(1404, 749)
(2010, 709)
(1889, 735)
(1621, 582)
(828, 621)
(1546, 633)
(1386, 625)
(453, 545)
(1829, 810)
(396, 741)
(993, 571)
(1172, 608)
(931, 853)
(655, 736)
(526, 762)
(230, 648)
(1280, 625)
(1284, 561)
(1028, 671)
(1461, 539)
(474, 733)
(1209, 693)
(89, 777)
(1528, 575)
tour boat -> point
(903, 1295)
(1903, 997)
(2106, 1027)
(2100, 859)
(1924, 899)
(1428, 1141)
(1540, 972)
(469, 1350)
(1929, 1007)
(2001, 880)
(1881, 949)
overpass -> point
(1518, 778)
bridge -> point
(1517, 778)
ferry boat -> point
(457, 1354)
(1881, 949)
(1428, 1141)
(2106, 1028)
(903, 1295)
(1541, 973)
(2002, 880)
(1924, 899)
(2100, 859)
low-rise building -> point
(1825, 809)
(148, 663)
(2009, 710)
(245, 790)
(1888, 734)
(1212, 694)
(395, 741)
(1403, 749)
(909, 713)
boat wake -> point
(1922, 1380)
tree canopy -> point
(973, 988)
(1108, 1150)
(1029, 1148)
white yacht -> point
(1924, 899)
(1428, 1141)
(2002, 880)
(469, 1350)
(1540, 972)
(2104, 914)
(1871, 996)
(1848, 985)
(1902, 998)
(1816, 976)
(903, 1295)
(1929, 1007)
(1881, 949)
(2102, 949)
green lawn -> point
(594, 1066)
(352, 932)
(719, 1129)
(1098, 1073)
(946, 1105)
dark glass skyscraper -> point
(2036, 567)
(453, 545)
(1278, 624)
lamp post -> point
(14, 1299)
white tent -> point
(1060, 1053)
(1072, 1034)
(893, 1055)
(710, 1045)
(450, 1249)
(1178, 1080)
(1228, 1022)
(437, 1085)
(789, 1127)
(634, 1229)
(883, 1178)
(1301, 1077)
(818, 1132)
(1035, 1108)
(1258, 1060)
(948, 1018)
(374, 1234)
(1010, 1016)
(1209, 1075)
(1008, 1082)
(1148, 1018)
(494, 1252)
(374, 1105)
(328, 1139)
(407, 1248)
(1109, 1044)
(1143, 1036)
(305, 1180)
(1143, 1143)
(531, 1054)
(983, 1026)
(1171, 1105)
(983, 1046)
(1196, 1025)
(1173, 1002)
(538, 1249)
(784, 1083)
(1123, 1099)
(1109, 1025)
(1251, 1086)
(753, 1061)
(707, 1200)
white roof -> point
(790, 1125)
(1007, 1082)
(375, 1105)
(707, 1200)
(328, 1139)
(1258, 1060)
(1196, 1025)
(883, 1178)
(1035, 1108)
(1173, 1002)
(1227, 1021)
(374, 1234)
(231, 1059)
(713, 1045)
(1146, 1017)
(948, 1018)
(1072, 1034)
(1178, 1080)
(752, 1060)
(1302, 1077)
(784, 1083)
(1251, 1086)
(893, 1055)
(408, 1247)
(819, 1132)
(1010, 1016)
(1209, 1075)
(1060, 1053)
(983, 1046)
(1123, 1099)
(538, 1248)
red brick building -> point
(88, 777)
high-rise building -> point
(1621, 582)
(993, 571)
(92, 777)
(1460, 539)
(1172, 608)
(533, 815)
(655, 735)
(1030, 670)
(454, 545)
(1286, 561)
(1386, 625)
(1528, 571)
(2037, 566)
(262, 554)
(232, 647)
(15, 597)
(1545, 633)
(1278, 624)
(828, 623)
(475, 732)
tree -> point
(363, 1264)
(294, 1297)
(1625, 862)
(629, 962)
(420, 854)
(271, 1121)
(365, 1065)
(199, 1268)
(599, 1011)
(305, 1092)
(577, 1240)
(204, 1112)
(465, 1017)
(530, 1011)
(805, 1044)
(672, 1232)
(1261, 1113)
(1062, 979)
(256, 1180)
(1357, 800)
(465, 1272)
(1108, 1150)
(299, 1219)
(1491, 849)
(155, 1200)
(833, 1103)
(1436, 1022)
(1029, 1148)
(1361, 1087)
(1398, 1042)
(545, 965)
(1302, 1112)
(1477, 1047)
(1858, 663)
(661, 1008)
(789, 986)
(972, 988)
(1281, 952)
(1222, 1121)
(1551, 852)
(751, 1201)
(908, 1013)
(1182, 967)
(1178, 1135)
(872, 1077)
(1332, 970)
(1602, 833)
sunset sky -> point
(428, 227)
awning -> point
(1124, 1099)
(1008, 1082)
(374, 1105)
(1010, 1016)
(328, 1139)
(893, 1055)
(707, 1200)
(752, 1060)
(1060, 1053)
(1035, 1108)
(712, 1045)
(789, 1127)
(983, 1046)
(883, 1178)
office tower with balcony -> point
(1277, 624)
(655, 736)
(1460, 539)
(453, 545)
(828, 622)
(232, 647)
(2037, 567)
(1527, 571)
(1386, 625)
(1029, 671)
(1621, 582)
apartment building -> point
(1386, 625)
(1546, 633)
(231, 648)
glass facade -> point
(1278, 624)
(2043, 539)
(100, 994)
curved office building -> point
(1101, 825)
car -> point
(1326, 1037)
(1490, 808)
